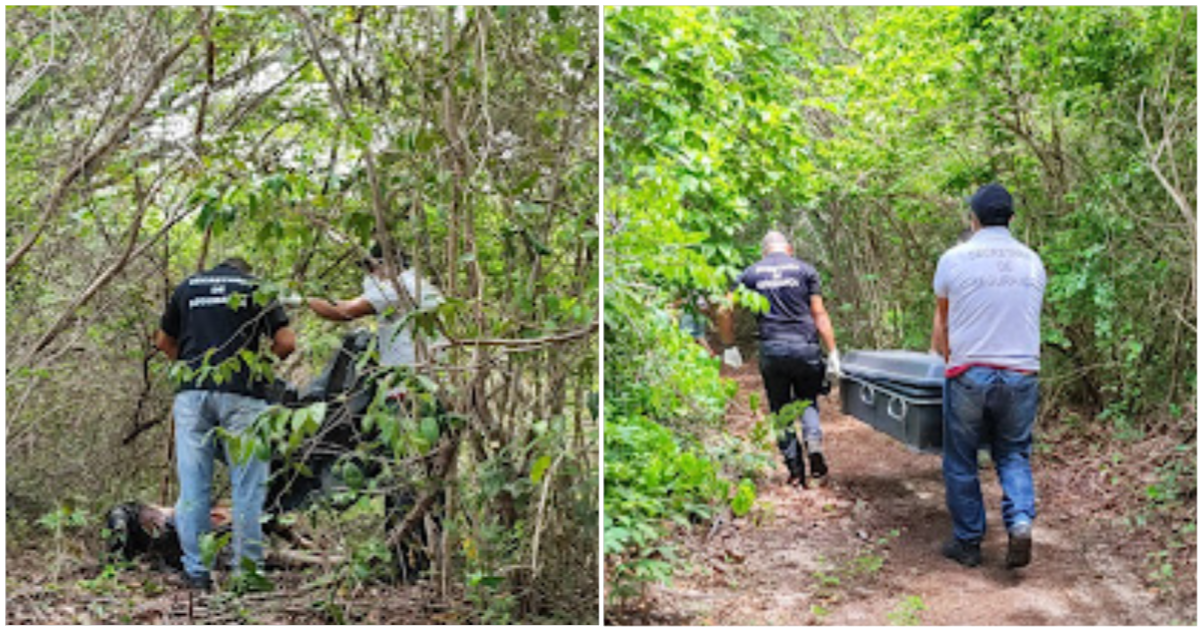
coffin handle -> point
(897, 415)
(867, 394)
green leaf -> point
(539, 468)
(352, 475)
(211, 545)
(743, 500)
(530, 209)
(250, 580)
(315, 417)
(429, 430)
(424, 141)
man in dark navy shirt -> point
(789, 353)
(211, 317)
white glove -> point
(834, 365)
(732, 357)
(291, 301)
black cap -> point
(376, 257)
(992, 204)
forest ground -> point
(81, 594)
(862, 547)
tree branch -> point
(132, 251)
(523, 343)
(93, 159)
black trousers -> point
(793, 370)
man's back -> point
(201, 317)
(788, 284)
(396, 345)
(994, 285)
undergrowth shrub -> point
(667, 466)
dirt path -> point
(862, 549)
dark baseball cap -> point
(376, 257)
(992, 204)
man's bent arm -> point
(167, 344)
(341, 311)
(941, 331)
(284, 342)
(823, 323)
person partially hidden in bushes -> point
(989, 302)
(210, 318)
(790, 359)
(379, 298)
(694, 314)
(397, 334)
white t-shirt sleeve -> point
(941, 278)
(381, 296)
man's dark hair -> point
(376, 257)
(992, 205)
(239, 263)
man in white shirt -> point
(989, 302)
(379, 297)
(396, 349)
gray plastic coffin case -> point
(898, 392)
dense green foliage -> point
(144, 144)
(858, 132)
(654, 477)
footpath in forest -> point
(862, 547)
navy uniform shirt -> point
(200, 318)
(788, 284)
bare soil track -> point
(862, 549)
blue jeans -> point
(985, 405)
(197, 413)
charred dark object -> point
(131, 533)
(138, 530)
